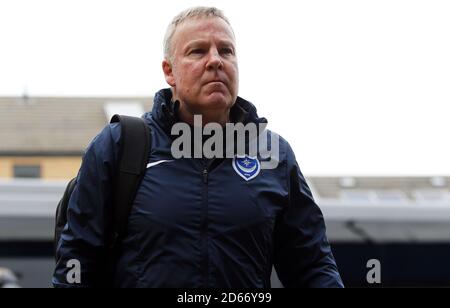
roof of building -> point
(56, 125)
(381, 188)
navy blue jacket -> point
(196, 222)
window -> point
(27, 171)
(374, 196)
(432, 195)
(358, 195)
(391, 196)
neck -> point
(221, 117)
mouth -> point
(218, 85)
(215, 87)
(215, 82)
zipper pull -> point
(205, 176)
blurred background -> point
(361, 90)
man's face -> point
(204, 70)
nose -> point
(214, 60)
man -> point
(198, 222)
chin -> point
(218, 100)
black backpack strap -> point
(133, 156)
(61, 213)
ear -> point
(168, 73)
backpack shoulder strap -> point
(135, 145)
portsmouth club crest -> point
(247, 167)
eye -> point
(197, 51)
(227, 51)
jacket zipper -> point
(205, 227)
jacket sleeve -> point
(89, 214)
(302, 255)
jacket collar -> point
(165, 111)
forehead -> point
(202, 28)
